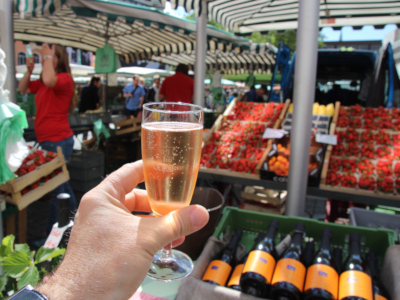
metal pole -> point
(7, 44)
(303, 98)
(201, 51)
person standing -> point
(90, 99)
(134, 94)
(178, 87)
(256, 95)
(153, 94)
(55, 98)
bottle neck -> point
(270, 236)
(355, 249)
(297, 238)
(372, 267)
(326, 243)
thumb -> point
(180, 223)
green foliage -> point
(214, 23)
(288, 37)
(21, 265)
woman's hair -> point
(63, 67)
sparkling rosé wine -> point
(171, 158)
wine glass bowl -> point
(171, 148)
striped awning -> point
(232, 62)
(135, 32)
(246, 16)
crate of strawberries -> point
(40, 172)
(276, 165)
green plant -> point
(20, 265)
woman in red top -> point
(55, 98)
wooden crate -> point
(217, 126)
(262, 195)
(128, 126)
(16, 185)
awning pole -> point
(201, 51)
(7, 44)
(303, 99)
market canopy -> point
(246, 16)
(135, 32)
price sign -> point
(326, 139)
(271, 133)
(56, 234)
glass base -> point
(175, 268)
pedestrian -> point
(153, 94)
(55, 98)
(178, 87)
(256, 95)
(90, 99)
(134, 97)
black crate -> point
(87, 173)
(84, 186)
(86, 159)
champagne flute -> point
(172, 135)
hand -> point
(46, 50)
(30, 64)
(110, 250)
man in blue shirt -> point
(134, 94)
(256, 95)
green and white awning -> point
(247, 16)
(135, 32)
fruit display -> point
(236, 144)
(367, 154)
(40, 172)
(276, 166)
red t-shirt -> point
(52, 104)
(178, 88)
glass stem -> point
(166, 252)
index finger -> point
(122, 182)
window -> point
(21, 58)
(37, 58)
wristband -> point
(27, 293)
(47, 56)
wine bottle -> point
(309, 251)
(234, 280)
(288, 279)
(322, 280)
(218, 270)
(379, 290)
(337, 255)
(260, 265)
(354, 281)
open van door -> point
(386, 86)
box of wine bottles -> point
(207, 281)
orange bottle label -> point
(236, 274)
(379, 297)
(356, 284)
(290, 270)
(322, 277)
(262, 263)
(217, 271)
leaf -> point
(16, 263)
(22, 247)
(3, 281)
(8, 243)
(47, 253)
(30, 276)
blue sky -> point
(367, 33)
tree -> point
(274, 38)
(214, 23)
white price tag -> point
(326, 139)
(56, 234)
(271, 133)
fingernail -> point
(198, 216)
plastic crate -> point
(84, 186)
(377, 240)
(86, 159)
(373, 219)
(87, 173)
